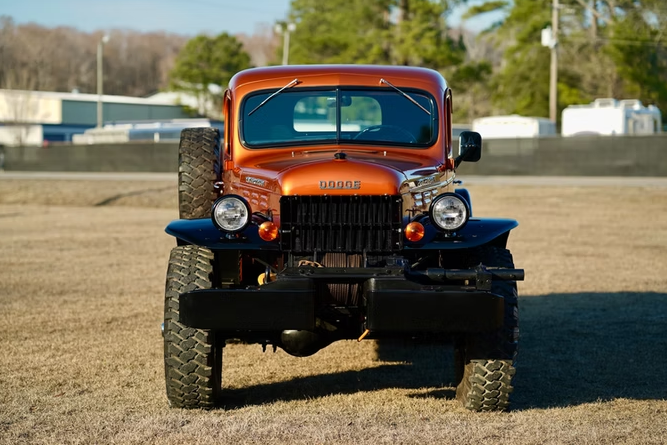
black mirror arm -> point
(462, 157)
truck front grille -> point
(351, 224)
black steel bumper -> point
(393, 303)
(276, 306)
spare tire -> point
(198, 172)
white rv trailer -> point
(611, 117)
(513, 126)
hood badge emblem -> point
(340, 185)
(255, 181)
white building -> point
(201, 103)
(611, 117)
(513, 126)
(35, 117)
(155, 131)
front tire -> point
(485, 363)
(192, 357)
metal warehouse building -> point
(36, 117)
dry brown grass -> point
(81, 303)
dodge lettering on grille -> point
(340, 185)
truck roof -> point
(362, 75)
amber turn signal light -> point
(414, 231)
(268, 231)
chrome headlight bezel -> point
(244, 219)
(462, 204)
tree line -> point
(607, 48)
(64, 59)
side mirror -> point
(470, 147)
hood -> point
(333, 172)
(329, 172)
(340, 177)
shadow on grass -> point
(390, 375)
(580, 348)
(574, 349)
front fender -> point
(477, 232)
(202, 232)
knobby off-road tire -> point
(198, 171)
(485, 363)
(192, 357)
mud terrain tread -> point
(485, 363)
(192, 364)
(486, 385)
(198, 170)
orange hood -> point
(340, 177)
(327, 172)
(333, 173)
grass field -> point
(82, 267)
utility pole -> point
(286, 31)
(100, 78)
(594, 21)
(553, 76)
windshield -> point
(370, 116)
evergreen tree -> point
(395, 32)
(606, 49)
(206, 61)
(636, 44)
(340, 31)
(420, 37)
(521, 85)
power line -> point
(228, 7)
(620, 41)
(633, 42)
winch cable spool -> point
(344, 294)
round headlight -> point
(449, 212)
(231, 213)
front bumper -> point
(395, 305)
(276, 306)
(392, 302)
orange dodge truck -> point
(328, 210)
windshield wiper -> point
(289, 85)
(362, 150)
(404, 95)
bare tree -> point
(262, 45)
(64, 59)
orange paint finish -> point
(348, 177)
(263, 175)
(252, 80)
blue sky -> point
(189, 17)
